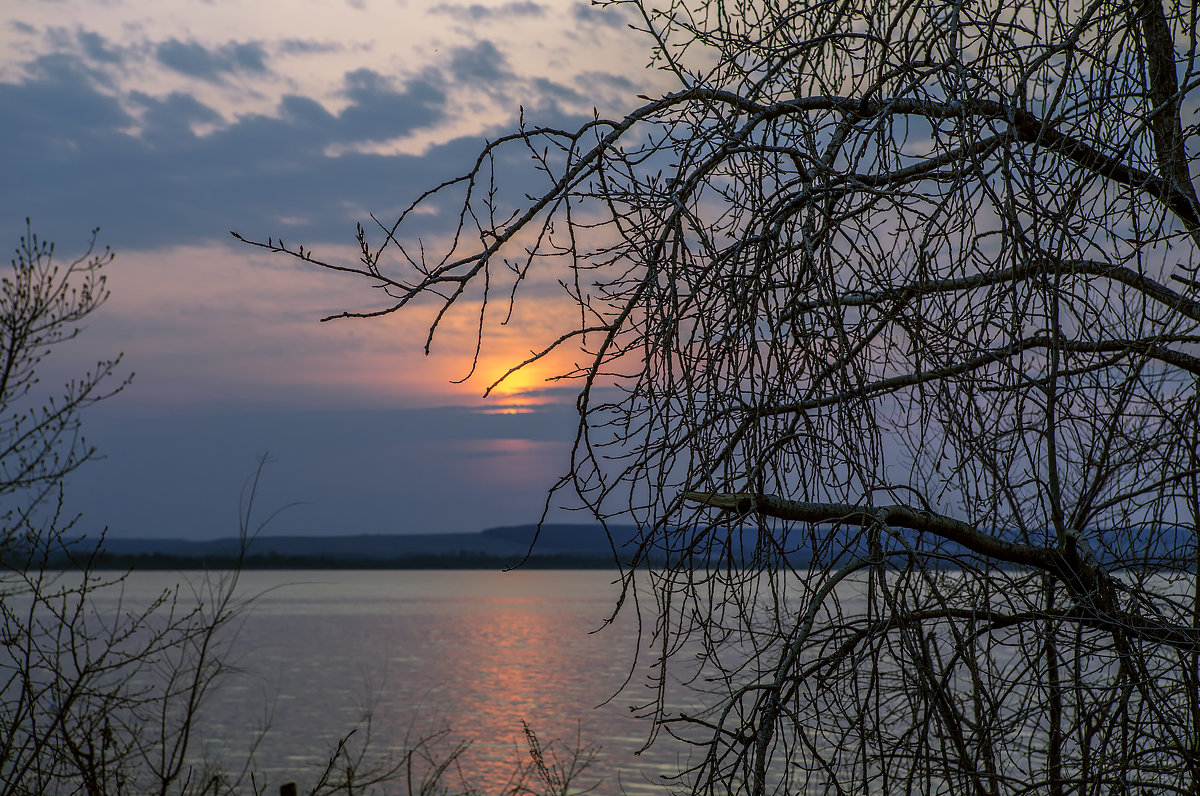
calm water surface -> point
(474, 652)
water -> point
(472, 652)
(478, 652)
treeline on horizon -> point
(558, 547)
(463, 559)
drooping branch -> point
(898, 516)
(1073, 563)
(1151, 288)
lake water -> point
(473, 652)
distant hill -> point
(558, 545)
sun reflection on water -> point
(516, 661)
(470, 652)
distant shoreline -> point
(558, 546)
(552, 546)
(463, 560)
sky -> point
(168, 123)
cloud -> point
(378, 111)
(553, 91)
(481, 62)
(308, 47)
(478, 12)
(171, 121)
(97, 48)
(611, 16)
(63, 107)
(81, 165)
(195, 60)
(608, 80)
(156, 169)
(306, 113)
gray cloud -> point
(379, 112)
(195, 60)
(97, 47)
(548, 88)
(585, 13)
(172, 119)
(77, 165)
(481, 62)
(608, 80)
(308, 47)
(478, 12)
(63, 107)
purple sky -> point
(167, 124)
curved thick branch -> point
(898, 516)
(1118, 273)
(1073, 563)
(1025, 127)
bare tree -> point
(42, 304)
(909, 290)
(92, 700)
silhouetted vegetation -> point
(89, 702)
(924, 273)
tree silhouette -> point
(910, 288)
(91, 700)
